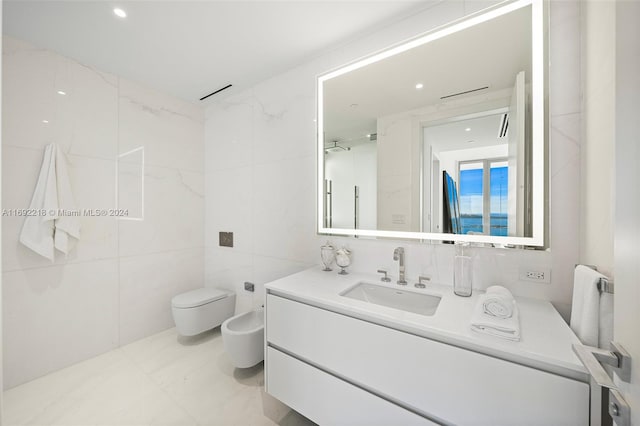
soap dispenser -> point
(462, 270)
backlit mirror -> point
(442, 137)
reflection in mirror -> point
(484, 155)
(457, 112)
(450, 205)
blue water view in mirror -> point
(472, 196)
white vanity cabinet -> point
(337, 369)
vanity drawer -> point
(443, 382)
(328, 400)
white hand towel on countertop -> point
(585, 306)
(47, 230)
(506, 328)
(499, 302)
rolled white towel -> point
(506, 328)
(499, 302)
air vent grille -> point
(504, 125)
(217, 91)
(464, 93)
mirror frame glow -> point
(538, 128)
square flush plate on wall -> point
(226, 239)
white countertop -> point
(546, 338)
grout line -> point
(101, 259)
(56, 265)
(163, 252)
(155, 382)
(280, 160)
(115, 159)
(564, 114)
(117, 200)
(30, 148)
(252, 164)
(252, 157)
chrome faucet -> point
(398, 254)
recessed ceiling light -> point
(120, 13)
(60, 92)
(468, 129)
(45, 121)
(419, 86)
(368, 135)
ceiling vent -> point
(464, 93)
(373, 137)
(217, 91)
(504, 125)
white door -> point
(516, 159)
(627, 198)
(625, 82)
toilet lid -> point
(198, 297)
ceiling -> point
(488, 54)
(464, 134)
(192, 48)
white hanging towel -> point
(585, 306)
(65, 225)
(605, 330)
(37, 231)
(46, 230)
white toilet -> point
(202, 309)
(243, 337)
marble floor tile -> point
(164, 379)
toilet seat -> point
(198, 297)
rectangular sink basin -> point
(396, 298)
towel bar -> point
(605, 285)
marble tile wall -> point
(115, 286)
(260, 175)
(598, 190)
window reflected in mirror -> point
(400, 132)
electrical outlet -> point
(536, 275)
